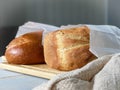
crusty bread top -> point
(28, 37)
(67, 38)
(25, 49)
(73, 45)
(68, 49)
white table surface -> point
(16, 81)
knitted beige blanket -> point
(101, 74)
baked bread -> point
(25, 49)
(68, 49)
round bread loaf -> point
(25, 49)
(68, 49)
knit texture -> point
(101, 74)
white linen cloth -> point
(101, 74)
(104, 39)
(34, 26)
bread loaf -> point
(68, 49)
(25, 49)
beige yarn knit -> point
(101, 74)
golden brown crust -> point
(26, 49)
(71, 37)
(68, 49)
(50, 50)
(76, 57)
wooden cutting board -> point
(39, 70)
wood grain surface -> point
(39, 70)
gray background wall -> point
(114, 12)
(59, 12)
(56, 12)
(14, 13)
